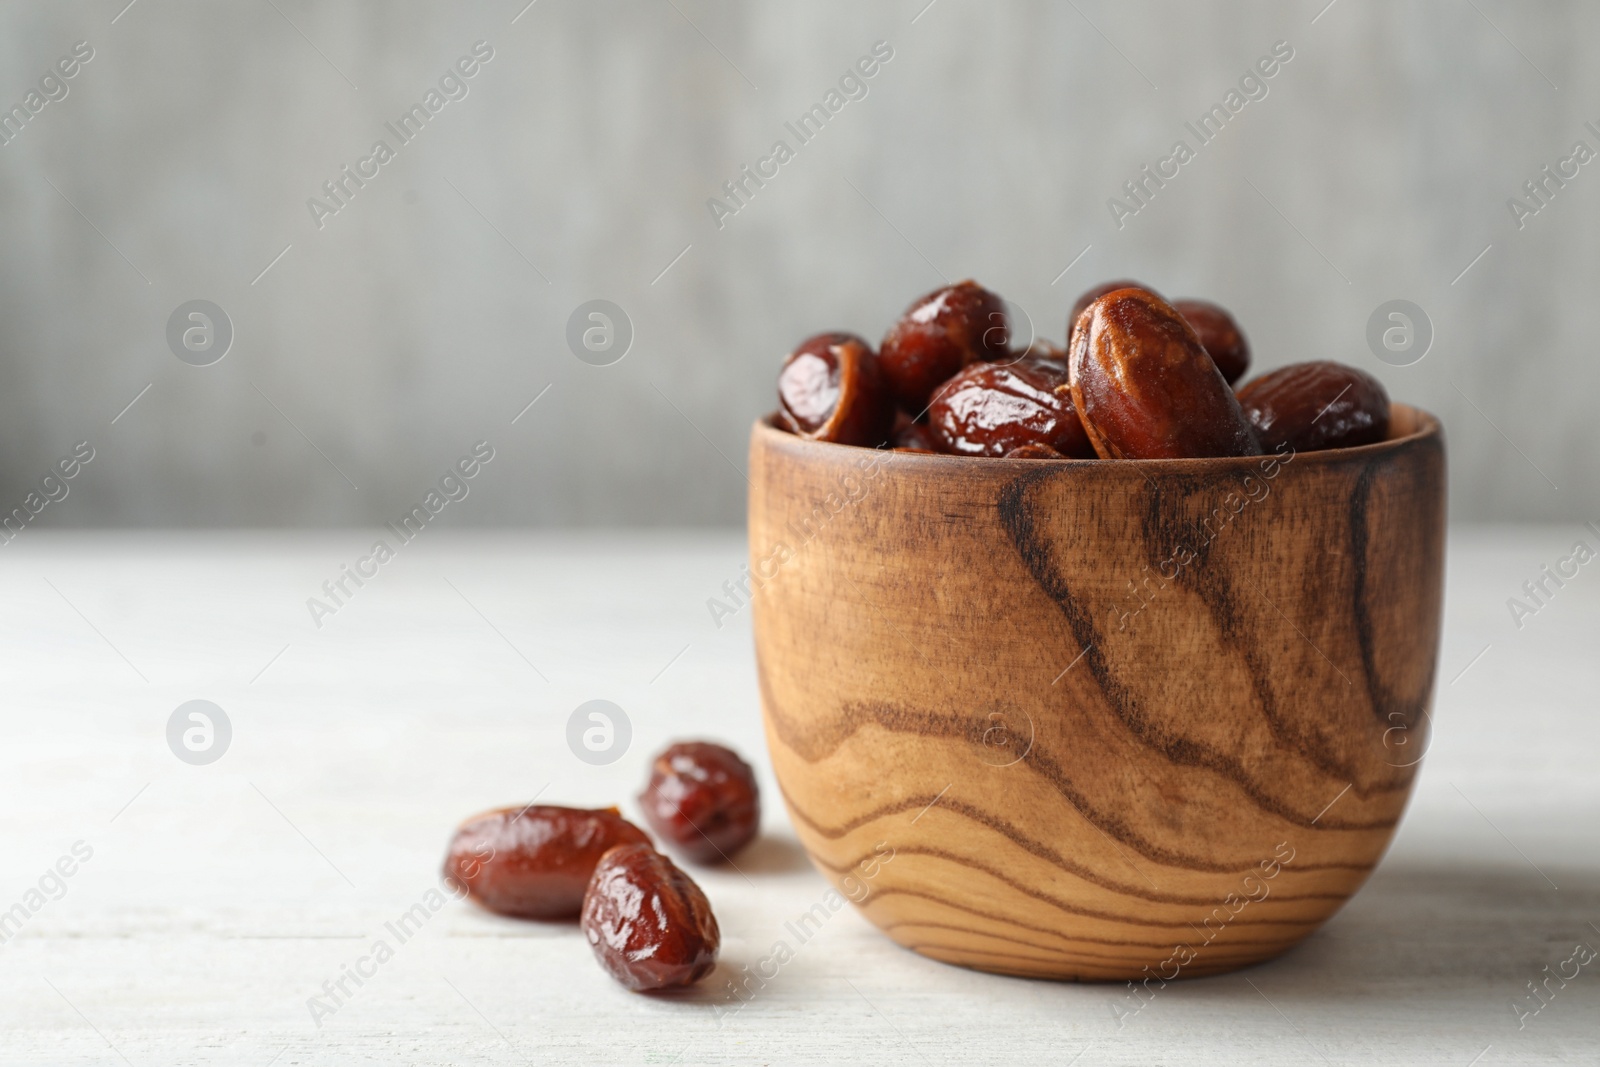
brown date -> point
(990, 409)
(1312, 406)
(1145, 387)
(937, 336)
(1089, 297)
(648, 923)
(702, 799)
(1219, 335)
(534, 862)
(831, 388)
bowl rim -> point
(1428, 427)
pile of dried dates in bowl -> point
(1140, 378)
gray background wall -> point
(431, 309)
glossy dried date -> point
(1090, 296)
(1145, 388)
(648, 923)
(1312, 406)
(991, 409)
(533, 862)
(703, 800)
(937, 336)
(1219, 335)
(831, 388)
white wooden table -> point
(219, 898)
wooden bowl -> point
(1097, 719)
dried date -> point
(1145, 388)
(1090, 296)
(1317, 405)
(1219, 335)
(831, 388)
(937, 336)
(533, 862)
(649, 924)
(703, 800)
(991, 409)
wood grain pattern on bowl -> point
(1110, 719)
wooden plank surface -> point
(216, 900)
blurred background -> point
(380, 328)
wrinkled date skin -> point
(831, 389)
(534, 862)
(702, 799)
(649, 925)
(1312, 406)
(1145, 387)
(937, 336)
(991, 409)
(1219, 335)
